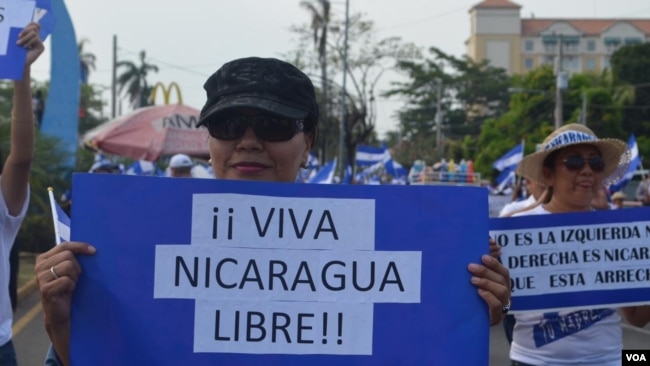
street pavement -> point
(31, 341)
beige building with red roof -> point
(501, 35)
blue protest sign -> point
(576, 260)
(14, 16)
(214, 272)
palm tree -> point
(320, 19)
(86, 59)
(134, 80)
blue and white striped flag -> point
(312, 161)
(368, 155)
(510, 159)
(60, 220)
(506, 178)
(635, 163)
(141, 167)
(395, 169)
(347, 176)
(325, 175)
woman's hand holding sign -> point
(493, 282)
(30, 39)
(57, 272)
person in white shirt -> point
(535, 191)
(14, 182)
(574, 164)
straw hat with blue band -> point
(614, 152)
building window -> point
(612, 44)
(605, 63)
(571, 47)
(590, 64)
(550, 44)
(571, 63)
(591, 46)
(550, 47)
(529, 45)
(529, 63)
(633, 40)
(571, 44)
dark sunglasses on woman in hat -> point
(577, 162)
(266, 127)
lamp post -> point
(561, 84)
(344, 113)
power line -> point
(173, 66)
(421, 20)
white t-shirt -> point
(516, 206)
(9, 226)
(575, 337)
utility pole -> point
(325, 103)
(560, 84)
(583, 112)
(439, 117)
(344, 112)
(114, 81)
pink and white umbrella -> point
(150, 132)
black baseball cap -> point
(267, 84)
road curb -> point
(27, 289)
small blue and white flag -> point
(312, 161)
(506, 178)
(635, 163)
(368, 155)
(325, 175)
(347, 176)
(60, 220)
(141, 167)
(370, 172)
(510, 159)
(395, 169)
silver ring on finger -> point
(53, 272)
(505, 309)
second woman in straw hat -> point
(574, 164)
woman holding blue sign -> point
(262, 117)
(14, 184)
(574, 164)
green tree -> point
(86, 59)
(133, 80)
(530, 116)
(320, 19)
(368, 59)
(630, 65)
(468, 94)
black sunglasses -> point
(266, 127)
(577, 162)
